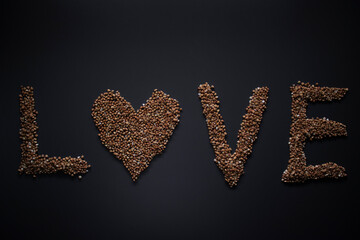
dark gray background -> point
(71, 51)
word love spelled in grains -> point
(136, 137)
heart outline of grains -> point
(135, 137)
(232, 164)
(31, 162)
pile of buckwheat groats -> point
(303, 128)
(135, 137)
(31, 162)
(232, 164)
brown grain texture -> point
(232, 164)
(31, 162)
(135, 137)
(303, 128)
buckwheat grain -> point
(31, 162)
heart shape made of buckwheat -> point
(135, 137)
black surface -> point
(71, 51)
